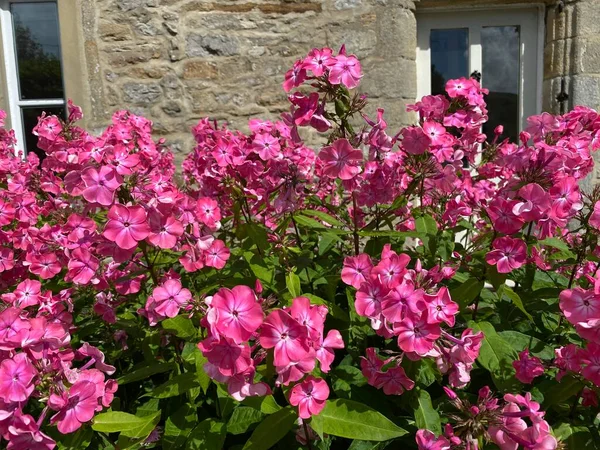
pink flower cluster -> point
(516, 423)
(408, 305)
(239, 335)
(38, 366)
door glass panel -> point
(449, 56)
(500, 74)
(37, 44)
(30, 120)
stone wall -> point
(572, 59)
(176, 61)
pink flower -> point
(508, 254)
(12, 328)
(316, 61)
(45, 265)
(74, 407)
(294, 77)
(164, 231)
(441, 308)
(228, 357)
(26, 294)
(100, 186)
(415, 141)
(24, 433)
(426, 440)
(594, 218)
(309, 396)
(401, 297)
(238, 313)
(527, 367)
(415, 334)
(345, 70)
(369, 298)
(16, 378)
(311, 316)
(356, 269)
(217, 254)
(393, 381)
(170, 297)
(287, 336)
(502, 216)
(579, 305)
(126, 226)
(82, 266)
(391, 269)
(340, 160)
(266, 146)
(242, 385)
(460, 87)
(566, 197)
(325, 353)
(208, 211)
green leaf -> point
(426, 224)
(258, 234)
(555, 243)
(179, 426)
(323, 216)
(176, 386)
(520, 342)
(260, 268)
(266, 404)
(575, 437)
(145, 372)
(127, 424)
(203, 379)
(292, 282)
(391, 234)
(353, 420)
(180, 326)
(309, 222)
(515, 299)
(272, 429)
(242, 418)
(425, 415)
(77, 441)
(466, 292)
(556, 392)
(496, 355)
(327, 241)
(208, 435)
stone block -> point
(141, 93)
(585, 90)
(359, 41)
(346, 4)
(200, 70)
(389, 78)
(114, 31)
(590, 55)
(586, 18)
(212, 45)
(120, 57)
(396, 33)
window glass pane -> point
(449, 56)
(500, 74)
(30, 120)
(37, 44)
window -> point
(32, 58)
(503, 46)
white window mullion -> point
(10, 69)
(475, 51)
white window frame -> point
(530, 19)
(15, 104)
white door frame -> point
(529, 18)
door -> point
(502, 47)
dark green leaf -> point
(323, 216)
(208, 435)
(145, 372)
(425, 415)
(466, 292)
(180, 326)
(515, 299)
(272, 429)
(242, 418)
(556, 392)
(77, 441)
(176, 386)
(266, 404)
(426, 224)
(179, 426)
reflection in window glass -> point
(449, 57)
(501, 73)
(30, 120)
(37, 45)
